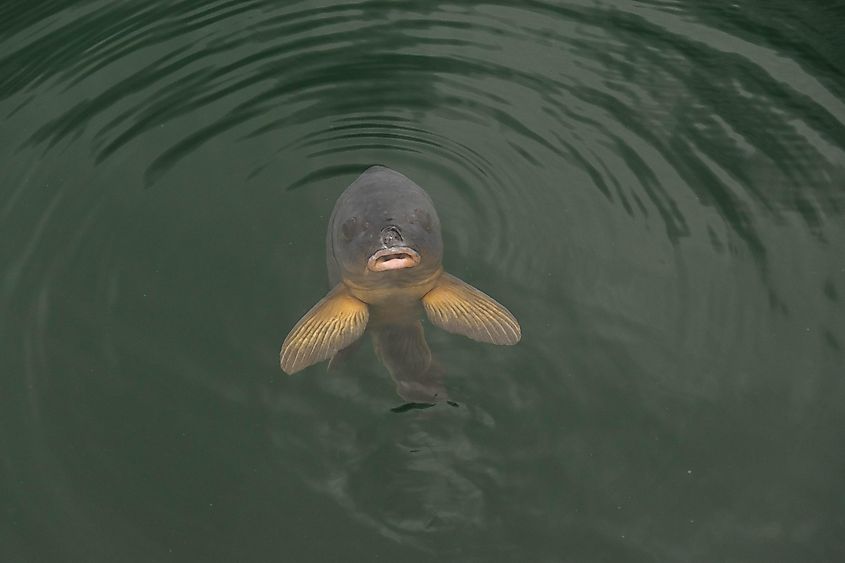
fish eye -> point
(349, 228)
(423, 218)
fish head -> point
(385, 231)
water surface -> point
(656, 189)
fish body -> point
(384, 253)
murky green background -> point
(656, 189)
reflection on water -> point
(654, 188)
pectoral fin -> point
(458, 307)
(331, 325)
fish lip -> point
(381, 260)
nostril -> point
(390, 236)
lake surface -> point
(655, 189)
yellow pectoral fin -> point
(331, 325)
(458, 307)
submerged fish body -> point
(383, 252)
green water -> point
(655, 189)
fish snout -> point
(391, 236)
(395, 254)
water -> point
(655, 189)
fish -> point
(384, 252)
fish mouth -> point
(393, 258)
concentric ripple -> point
(655, 189)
